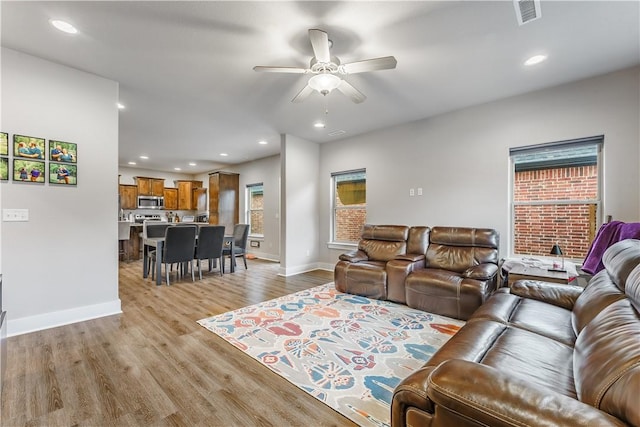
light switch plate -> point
(15, 214)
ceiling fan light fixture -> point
(324, 82)
(64, 26)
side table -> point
(519, 272)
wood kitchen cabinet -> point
(150, 186)
(170, 199)
(199, 199)
(224, 199)
(128, 196)
(185, 194)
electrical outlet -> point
(412, 192)
(15, 214)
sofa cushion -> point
(607, 362)
(457, 249)
(444, 292)
(535, 316)
(366, 278)
(518, 352)
(609, 284)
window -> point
(349, 205)
(255, 209)
(556, 197)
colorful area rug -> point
(347, 351)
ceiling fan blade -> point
(384, 63)
(295, 70)
(303, 94)
(353, 93)
(320, 43)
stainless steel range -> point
(140, 218)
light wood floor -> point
(153, 365)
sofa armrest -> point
(398, 270)
(485, 271)
(552, 293)
(354, 256)
(492, 397)
(410, 257)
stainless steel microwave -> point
(150, 202)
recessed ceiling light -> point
(64, 26)
(132, 163)
(319, 125)
(177, 169)
(224, 154)
(192, 164)
(262, 142)
(535, 60)
(120, 106)
(144, 157)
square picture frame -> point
(4, 168)
(4, 144)
(63, 173)
(28, 147)
(31, 171)
(64, 152)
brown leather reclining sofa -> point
(538, 354)
(449, 271)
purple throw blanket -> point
(608, 234)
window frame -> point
(598, 142)
(249, 211)
(333, 242)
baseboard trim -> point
(292, 271)
(25, 325)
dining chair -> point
(179, 247)
(209, 246)
(124, 228)
(153, 229)
(240, 235)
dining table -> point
(157, 243)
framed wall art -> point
(4, 168)
(60, 151)
(28, 170)
(63, 174)
(28, 147)
(4, 144)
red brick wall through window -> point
(538, 227)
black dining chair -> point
(179, 247)
(209, 246)
(240, 235)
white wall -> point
(62, 265)
(300, 215)
(461, 159)
(127, 175)
(266, 171)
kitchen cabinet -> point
(171, 199)
(185, 194)
(224, 198)
(150, 186)
(199, 199)
(128, 196)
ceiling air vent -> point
(527, 10)
(337, 132)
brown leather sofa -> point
(363, 271)
(539, 354)
(449, 271)
(458, 273)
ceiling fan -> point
(326, 69)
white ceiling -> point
(186, 77)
